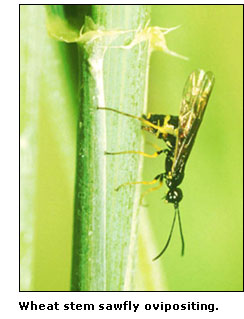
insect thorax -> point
(169, 123)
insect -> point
(179, 133)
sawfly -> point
(179, 133)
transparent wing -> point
(194, 101)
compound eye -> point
(174, 196)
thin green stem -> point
(105, 221)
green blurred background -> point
(211, 211)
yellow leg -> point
(150, 190)
(156, 154)
(134, 183)
(154, 145)
(161, 129)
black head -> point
(174, 196)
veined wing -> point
(194, 101)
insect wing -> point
(194, 101)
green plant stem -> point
(149, 275)
(31, 35)
(105, 221)
(47, 96)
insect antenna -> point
(168, 241)
(181, 231)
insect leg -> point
(153, 188)
(154, 181)
(156, 154)
(154, 145)
(161, 129)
